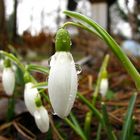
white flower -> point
(62, 83)
(104, 86)
(30, 94)
(42, 119)
(8, 80)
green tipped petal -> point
(63, 41)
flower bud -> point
(42, 119)
(30, 95)
(8, 80)
(103, 87)
(62, 83)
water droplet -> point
(78, 68)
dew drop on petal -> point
(78, 68)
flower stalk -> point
(119, 53)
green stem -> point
(102, 69)
(75, 129)
(99, 131)
(81, 26)
(14, 59)
(89, 114)
(128, 118)
(87, 124)
(92, 108)
(11, 108)
(111, 43)
(55, 129)
(107, 126)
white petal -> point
(62, 83)
(8, 81)
(30, 94)
(104, 87)
(42, 119)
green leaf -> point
(75, 129)
(38, 68)
(128, 118)
(77, 125)
(131, 128)
(42, 85)
(99, 131)
(107, 125)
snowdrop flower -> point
(62, 82)
(104, 87)
(8, 78)
(30, 95)
(42, 119)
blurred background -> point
(28, 28)
(26, 24)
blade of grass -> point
(131, 128)
(111, 43)
(77, 125)
(75, 121)
(75, 129)
(107, 125)
(98, 136)
(128, 117)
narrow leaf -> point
(107, 125)
(38, 68)
(128, 117)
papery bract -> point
(30, 94)
(42, 119)
(104, 86)
(62, 83)
(8, 80)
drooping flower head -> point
(34, 104)
(30, 95)
(63, 81)
(8, 78)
